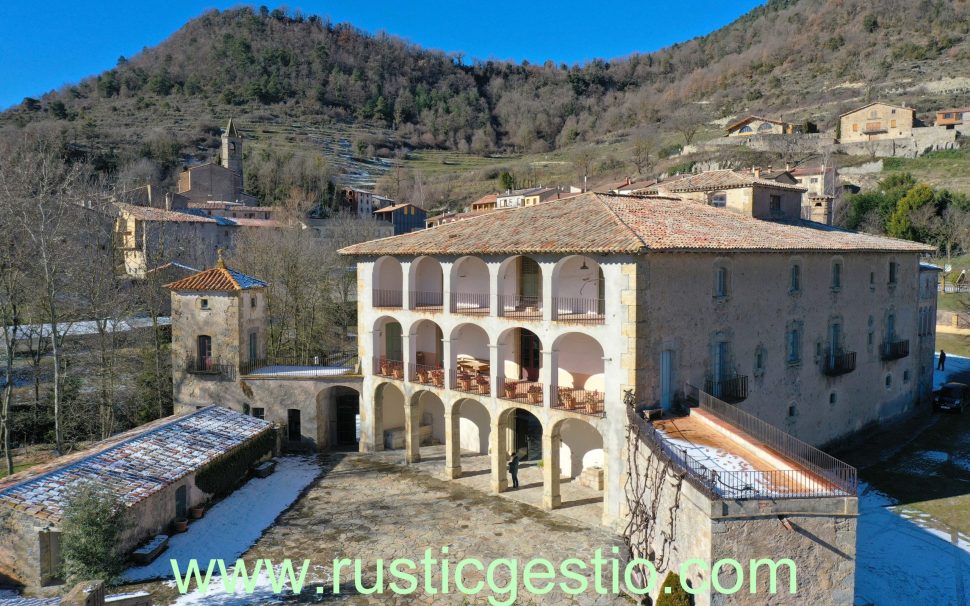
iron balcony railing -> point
(838, 362)
(815, 473)
(518, 306)
(335, 363)
(732, 390)
(211, 366)
(584, 401)
(524, 392)
(470, 382)
(386, 298)
(579, 311)
(428, 374)
(392, 369)
(426, 301)
(894, 350)
(469, 303)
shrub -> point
(672, 593)
(670, 150)
(220, 476)
(94, 519)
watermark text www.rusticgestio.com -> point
(500, 579)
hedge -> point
(221, 475)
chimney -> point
(168, 201)
(787, 167)
(757, 171)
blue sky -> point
(55, 42)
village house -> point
(757, 125)
(760, 193)
(404, 217)
(516, 198)
(151, 469)
(486, 202)
(364, 203)
(950, 118)
(875, 122)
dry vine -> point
(647, 535)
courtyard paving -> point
(371, 506)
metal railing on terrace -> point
(518, 306)
(469, 303)
(524, 392)
(392, 369)
(333, 363)
(815, 474)
(210, 366)
(470, 382)
(584, 401)
(426, 301)
(578, 310)
(732, 390)
(838, 362)
(386, 298)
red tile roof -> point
(219, 278)
(750, 118)
(148, 213)
(724, 179)
(602, 224)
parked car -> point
(952, 396)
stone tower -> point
(219, 329)
(232, 152)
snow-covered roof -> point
(135, 464)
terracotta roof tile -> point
(218, 278)
(602, 224)
(724, 179)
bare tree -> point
(583, 159)
(687, 122)
(640, 155)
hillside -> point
(314, 94)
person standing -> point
(941, 365)
(514, 469)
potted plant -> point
(197, 511)
(509, 389)
(535, 394)
(566, 398)
(181, 524)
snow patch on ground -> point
(954, 365)
(234, 524)
(903, 559)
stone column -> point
(449, 362)
(408, 345)
(551, 443)
(446, 287)
(549, 376)
(493, 279)
(547, 291)
(498, 443)
(453, 442)
(412, 432)
(406, 284)
(496, 372)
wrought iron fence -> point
(386, 298)
(426, 301)
(211, 366)
(518, 306)
(838, 362)
(469, 303)
(894, 350)
(524, 392)
(583, 401)
(732, 390)
(428, 374)
(392, 369)
(339, 362)
(470, 382)
(579, 311)
(817, 473)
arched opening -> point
(388, 348)
(579, 291)
(519, 441)
(471, 366)
(338, 419)
(580, 378)
(387, 282)
(389, 417)
(582, 461)
(520, 288)
(426, 285)
(467, 433)
(430, 414)
(427, 359)
(469, 286)
(520, 362)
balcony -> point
(582, 401)
(431, 375)
(213, 367)
(838, 362)
(523, 392)
(387, 298)
(392, 369)
(520, 307)
(426, 301)
(469, 304)
(894, 350)
(330, 364)
(470, 381)
(579, 311)
(731, 390)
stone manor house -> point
(554, 330)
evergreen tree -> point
(94, 521)
(672, 593)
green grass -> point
(17, 468)
(953, 344)
(949, 169)
(953, 302)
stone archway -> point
(468, 429)
(582, 460)
(338, 418)
(388, 424)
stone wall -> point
(682, 315)
(20, 547)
